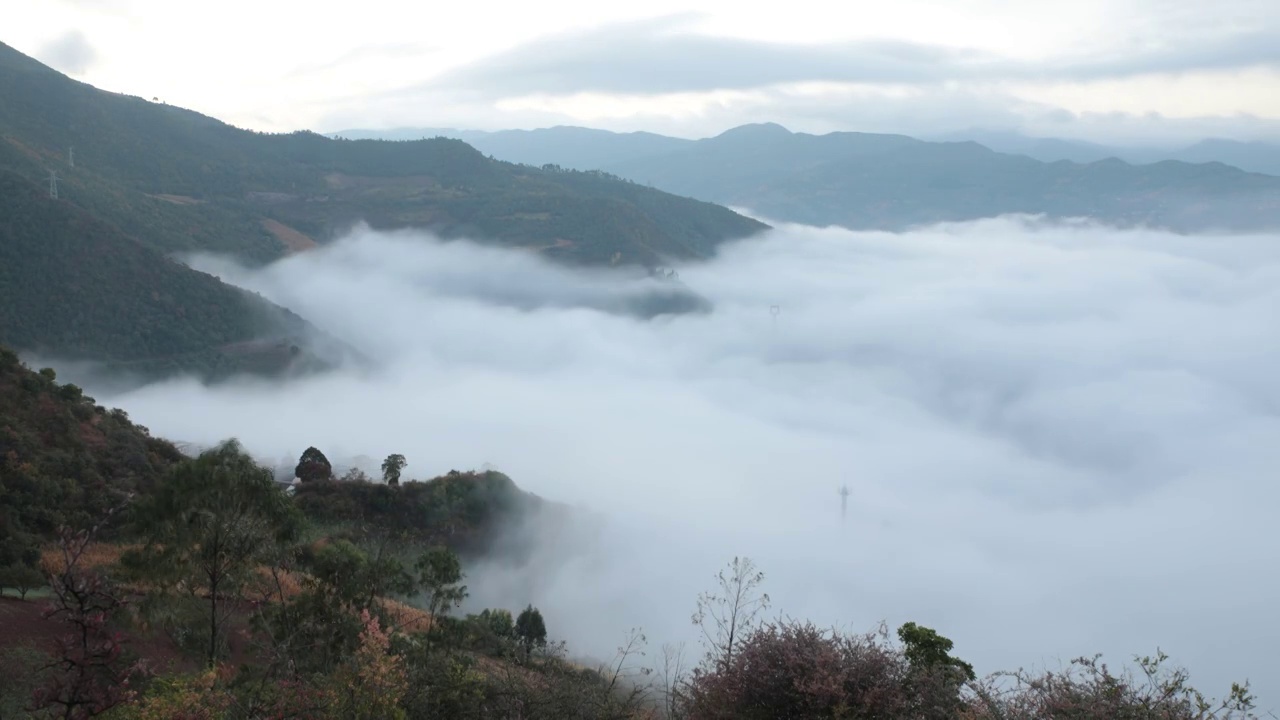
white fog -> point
(1059, 439)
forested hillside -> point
(86, 276)
(75, 287)
(63, 459)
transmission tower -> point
(53, 184)
(844, 501)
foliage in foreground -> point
(287, 624)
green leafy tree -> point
(531, 631)
(927, 650)
(498, 621)
(313, 466)
(355, 578)
(391, 468)
(439, 573)
(314, 630)
(209, 527)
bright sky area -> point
(1105, 70)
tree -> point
(927, 650)
(372, 683)
(497, 621)
(313, 466)
(319, 626)
(88, 675)
(935, 678)
(531, 631)
(391, 468)
(355, 577)
(439, 573)
(22, 578)
(208, 528)
(724, 616)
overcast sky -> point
(1059, 440)
(1122, 70)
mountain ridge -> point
(1251, 156)
(870, 181)
(177, 182)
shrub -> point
(1087, 689)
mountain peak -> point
(755, 130)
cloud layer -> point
(1059, 440)
(663, 55)
(1188, 75)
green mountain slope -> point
(203, 184)
(63, 459)
(75, 287)
(88, 277)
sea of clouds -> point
(1059, 439)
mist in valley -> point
(1058, 438)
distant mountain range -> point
(89, 275)
(1257, 157)
(894, 182)
(571, 147)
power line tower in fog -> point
(844, 501)
(774, 310)
(71, 156)
(53, 184)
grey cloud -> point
(71, 53)
(1060, 438)
(1224, 51)
(656, 57)
(659, 56)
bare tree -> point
(622, 671)
(673, 679)
(725, 615)
(88, 675)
